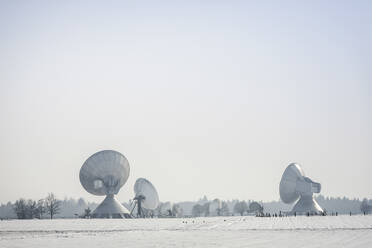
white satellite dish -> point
(294, 186)
(146, 196)
(104, 173)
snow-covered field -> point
(330, 231)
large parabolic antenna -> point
(295, 186)
(104, 173)
(146, 196)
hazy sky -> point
(213, 98)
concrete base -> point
(111, 208)
(307, 204)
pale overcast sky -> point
(212, 98)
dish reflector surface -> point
(144, 188)
(104, 172)
(287, 187)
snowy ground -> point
(331, 231)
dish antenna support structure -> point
(146, 197)
(295, 186)
(104, 173)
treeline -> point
(51, 207)
(223, 208)
(341, 205)
(72, 208)
(30, 209)
(48, 207)
(204, 207)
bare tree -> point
(40, 208)
(52, 205)
(25, 209)
(20, 208)
(30, 209)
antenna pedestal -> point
(307, 204)
(111, 208)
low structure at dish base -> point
(111, 208)
(104, 173)
(295, 186)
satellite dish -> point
(146, 196)
(296, 186)
(255, 207)
(104, 173)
